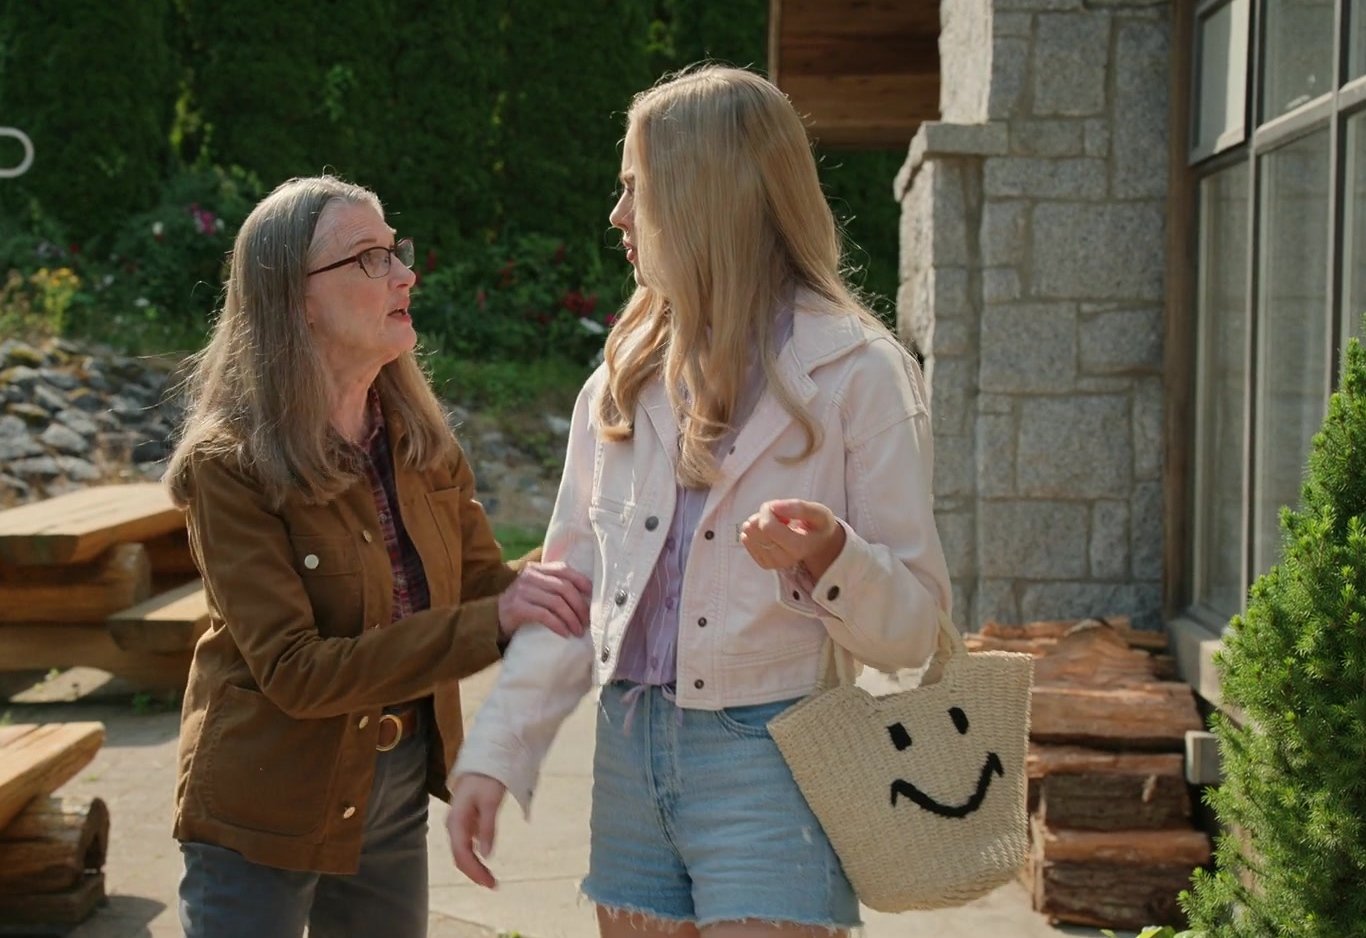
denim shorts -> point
(696, 818)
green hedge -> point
(93, 83)
(479, 123)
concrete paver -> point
(539, 863)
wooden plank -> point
(52, 844)
(30, 646)
(1094, 655)
(1185, 847)
(170, 554)
(858, 55)
(119, 578)
(1077, 760)
(168, 622)
(1150, 717)
(1137, 638)
(864, 110)
(869, 18)
(1044, 760)
(39, 762)
(1110, 895)
(1115, 802)
(78, 526)
(55, 908)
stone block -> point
(1148, 527)
(1014, 177)
(962, 602)
(994, 601)
(1149, 404)
(1070, 55)
(1121, 342)
(1142, 63)
(1004, 229)
(951, 336)
(1046, 138)
(1142, 601)
(953, 388)
(914, 313)
(949, 292)
(957, 534)
(1092, 384)
(1000, 285)
(1075, 447)
(1096, 137)
(949, 222)
(1011, 24)
(1029, 348)
(1110, 540)
(1037, 6)
(1009, 76)
(996, 455)
(996, 403)
(954, 466)
(916, 223)
(965, 28)
(1097, 252)
(1032, 539)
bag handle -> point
(836, 670)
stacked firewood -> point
(52, 848)
(1113, 842)
(103, 578)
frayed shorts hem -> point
(627, 910)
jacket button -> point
(702, 622)
(606, 654)
(311, 561)
(834, 593)
(348, 812)
(363, 723)
(620, 598)
(651, 523)
(368, 536)
(699, 683)
(709, 535)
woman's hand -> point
(474, 806)
(549, 594)
(789, 531)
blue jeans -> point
(696, 818)
(224, 895)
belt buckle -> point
(398, 732)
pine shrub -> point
(1292, 863)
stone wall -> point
(1032, 282)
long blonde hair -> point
(729, 219)
(259, 392)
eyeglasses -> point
(375, 262)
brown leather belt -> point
(394, 728)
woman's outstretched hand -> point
(788, 531)
(550, 594)
(470, 823)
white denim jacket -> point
(746, 635)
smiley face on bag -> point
(901, 739)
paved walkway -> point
(538, 864)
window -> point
(1278, 156)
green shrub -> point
(1294, 793)
(93, 83)
(526, 300)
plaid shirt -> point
(410, 581)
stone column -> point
(1032, 269)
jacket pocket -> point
(331, 572)
(262, 770)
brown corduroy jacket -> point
(281, 713)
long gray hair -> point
(259, 391)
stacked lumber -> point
(102, 578)
(1112, 837)
(52, 848)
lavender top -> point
(649, 651)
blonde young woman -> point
(748, 475)
(352, 580)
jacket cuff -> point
(508, 763)
(828, 596)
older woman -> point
(352, 581)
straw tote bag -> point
(922, 792)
